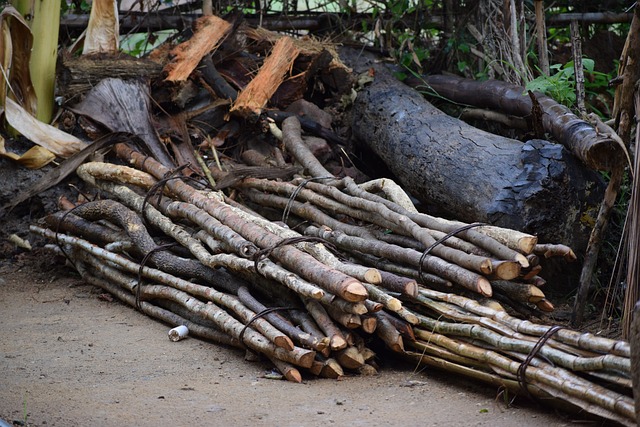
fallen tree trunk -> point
(596, 150)
(535, 187)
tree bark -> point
(535, 187)
(580, 137)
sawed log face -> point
(536, 187)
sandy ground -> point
(68, 357)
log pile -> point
(275, 252)
(360, 269)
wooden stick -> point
(545, 305)
(549, 250)
(356, 308)
(505, 270)
(373, 306)
(338, 341)
(522, 292)
(348, 320)
(303, 338)
(209, 33)
(292, 139)
(255, 96)
(404, 328)
(378, 295)
(331, 369)
(513, 239)
(595, 242)
(399, 284)
(388, 333)
(288, 370)
(408, 316)
(533, 272)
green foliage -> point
(82, 6)
(410, 54)
(138, 44)
(561, 84)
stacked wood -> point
(244, 281)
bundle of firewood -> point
(325, 270)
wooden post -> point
(541, 36)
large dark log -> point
(536, 187)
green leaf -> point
(588, 64)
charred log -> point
(536, 187)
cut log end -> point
(332, 369)
(337, 343)
(373, 276)
(354, 292)
(350, 358)
(536, 295)
(369, 324)
(545, 305)
(527, 243)
(394, 304)
(305, 360)
(486, 266)
(522, 260)
(284, 342)
(409, 317)
(506, 270)
(293, 375)
(484, 287)
(411, 289)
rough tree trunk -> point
(536, 187)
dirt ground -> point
(69, 357)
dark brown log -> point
(578, 136)
(521, 292)
(388, 333)
(400, 284)
(535, 187)
(77, 75)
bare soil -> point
(71, 357)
